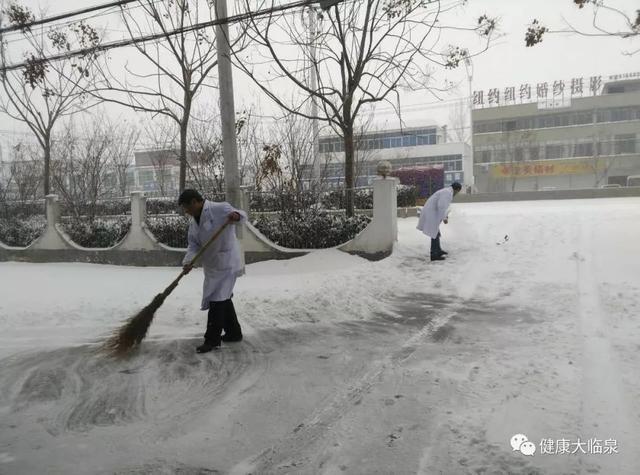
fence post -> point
(51, 238)
(138, 209)
(377, 239)
(138, 238)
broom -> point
(135, 329)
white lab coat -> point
(434, 211)
(221, 262)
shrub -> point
(101, 208)
(96, 233)
(21, 209)
(21, 231)
(170, 230)
(281, 201)
(162, 206)
(363, 199)
(311, 229)
(407, 196)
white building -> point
(403, 148)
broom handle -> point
(173, 284)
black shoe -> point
(229, 338)
(206, 347)
(437, 258)
(443, 253)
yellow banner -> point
(546, 168)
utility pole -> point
(227, 108)
(470, 180)
(315, 175)
(228, 119)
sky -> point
(507, 63)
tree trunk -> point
(183, 153)
(349, 170)
(47, 165)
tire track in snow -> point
(605, 410)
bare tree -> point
(295, 137)
(365, 154)
(362, 53)
(80, 165)
(251, 140)
(162, 151)
(26, 172)
(602, 12)
(42, 93)
(180, 66)
(206, 162)
(125, 139)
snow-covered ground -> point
(399, 366)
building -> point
(574, 134)
(403, 148)
(157, 172)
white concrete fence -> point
(140, 247)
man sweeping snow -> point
(221, 264)
(435, 211)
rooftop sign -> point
(550, 94)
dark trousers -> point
(222, 315)
(436, 250)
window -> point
(145, 176)
(432, 139)
(485, 156)
(619, 114)
(518, 154)
(510, 125)
(625, 143)
(582, 118)
(457, 176)
(583, 150)
(554, 151)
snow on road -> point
(398, 366)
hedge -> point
(169, 230)
(22, 231)
(96, 233)
(311, 230)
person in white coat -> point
(221, 264)
(434, 212)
